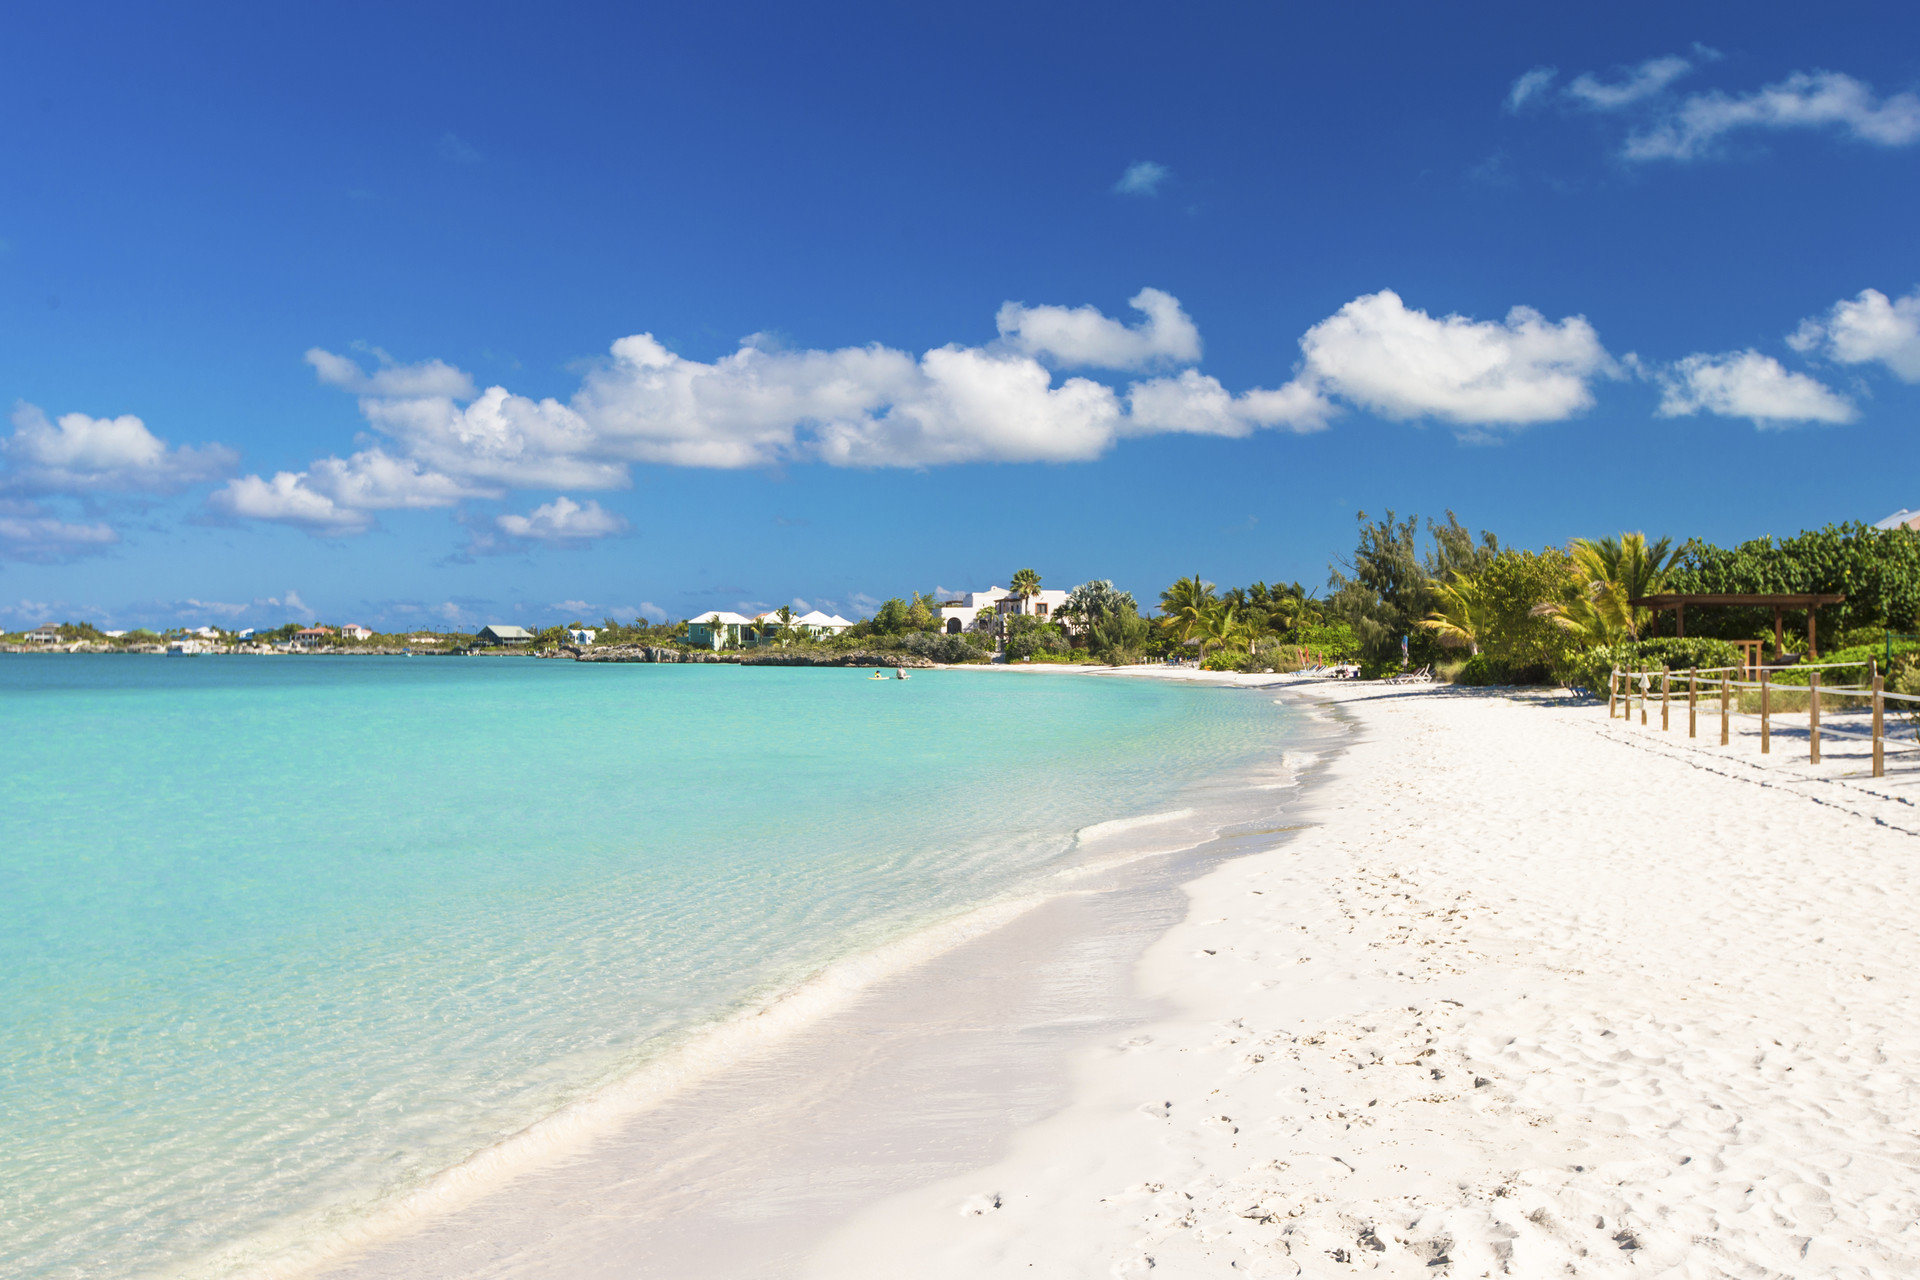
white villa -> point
(45, 634)
(581, 635)
(354, 631)
(966, 610)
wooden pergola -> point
(1778, 602)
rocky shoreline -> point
(771, 658)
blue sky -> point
(416, 315)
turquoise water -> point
(284, 937)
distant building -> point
(354, 631)
(425, 638)
(1901, 519)
(500, 634)
(768, 628)
(115, 635)
(308, 637)
(205, 633)
(238, 635)
(48, 634)
(581, 635)
(963, 611)
(717, 629)
(823, 624)
(975, 609)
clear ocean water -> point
(283, 938)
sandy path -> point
(1537, 997)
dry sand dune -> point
(1540, 994)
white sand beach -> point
(1540, 994)
(1533, 993)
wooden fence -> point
(1725, 684)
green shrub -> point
(1235, 660)
(1481, 669)
(1877, 651)
(942, 648)
(1591, 669)
(1028, 636)
(1512, 587)
(1485, 669)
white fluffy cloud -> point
(1804, 100)
(1082, 337)
(1869, 328)
(287, 499)
(1401, 363)
(1142, 178)
(1196, 404)
(442, 441)
(562, 520)
(428, 378)
(1638, 83)
(1747, 384)
(871, 406)
(337, 495)
(78, 454)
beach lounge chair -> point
(1412, 677)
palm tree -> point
(788, 628)
(1184, 606)
(1026, 585)
(1608, 572)
(1218, 626)
(1458, 614)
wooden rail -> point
(1622, 684)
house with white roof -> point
(354, 631)
(718, 629)
(581, 635)
(823, 624)
(1901, 519)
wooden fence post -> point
(1693, 719)
(1666, 692)
(1613, 684)
(1766, 712)
(1879, 727)
(1813, 716)
(1646, 689)
(1724, 690)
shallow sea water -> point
(284, 939)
